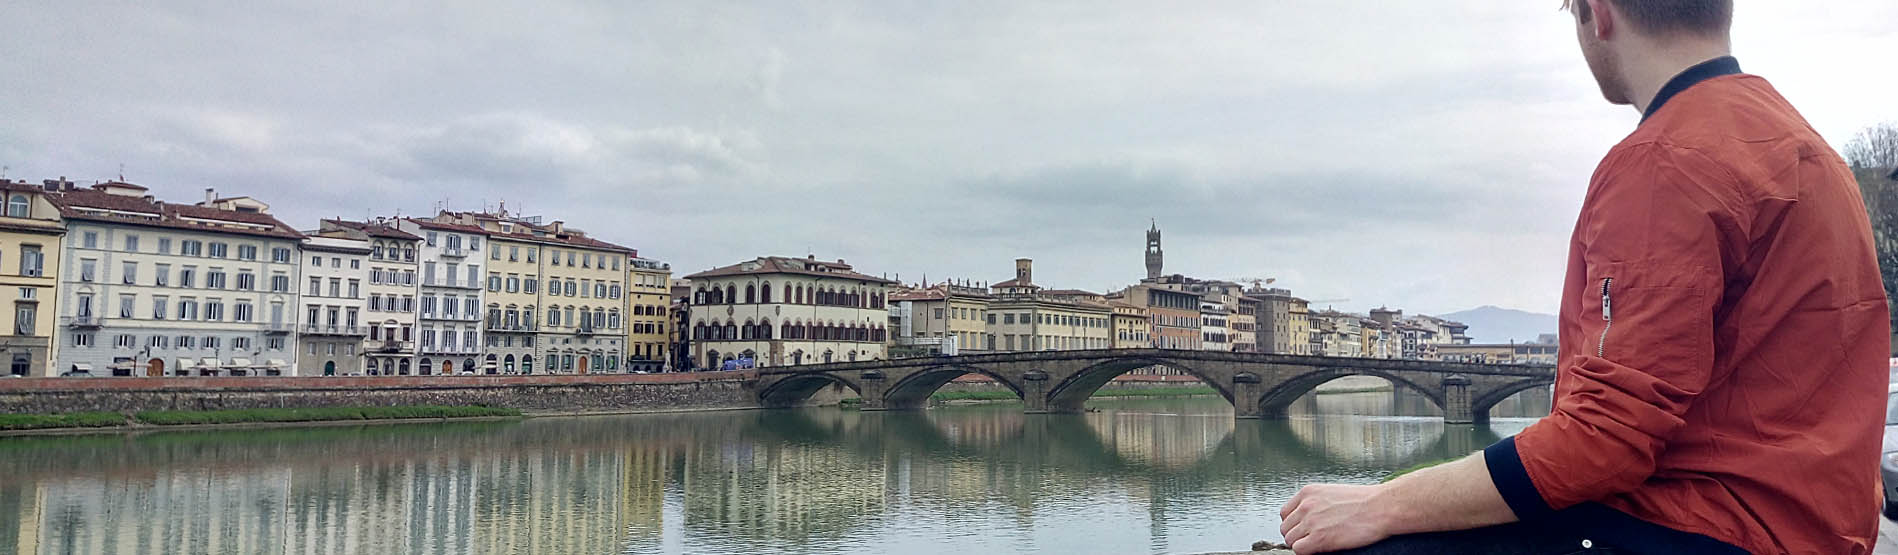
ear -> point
(1604, 18)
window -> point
(513, 284)
(530, 253)
(355, 289)
(129, 273)
(87, 267)
(494, 282)
(219, 250)
(82, 340)
(158, 341)
(211, 342)
(242, 312)
(599, 290)
(214, 310)
(131, 243)
(187, 309)
(186, 274)
(336, 262)
(274, 343)
(431, 238)
(16, 208)
(247, 252)
(280, 254)
(125, 341)
(126, 303)
(513, 254)
(187, 342)
(280, 283)
(91, 239)
(31, 261)
(494, 252)
(316, 286)
(214, 279)
(161, 274)
(158, 307)
(316, 261)
(530, 285)
(25, 318)
(240, 343)
(191, 248)
(355, 264)
(164, 245)
(246, 281)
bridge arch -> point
(1071, 393)
(1278, 398)
(794, 390)
(913, 390)
(1479, 406)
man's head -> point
(1617, 34)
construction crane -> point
(1257, 283)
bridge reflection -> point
(809, 480)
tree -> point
(1873, 156)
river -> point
(1133, 476)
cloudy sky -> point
(1424, 155)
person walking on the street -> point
(1723, 354)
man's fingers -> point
(1293, 536)
(1292, 504)
(1290, 522)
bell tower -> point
(1153, 251)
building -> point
(678, 336)
(153, 288)
(334, 305)
(1173, 315)
(946, 318)
(1504, 353)
(30, 232)
(648, 312)
(1214, 319)
(1274, 320)
(1131, 325)
(1155, 257)
(1298, 328)
(1027, 319)
(775, 311)
(1245, 324)
(448, 314)
(390, 313)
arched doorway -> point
(507, 364)
(797, 357)
(468, 365)
(427, 367)
(527, 364)
(448, 367)
(827, 355)
(494, 366)
(329, 368)
(583, 363)
(155, 368)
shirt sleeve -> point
(1650, 237)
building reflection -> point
(801, 481)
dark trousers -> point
(1507, 539)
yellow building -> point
(1299, 314)
(648, 300)
(1028, 319)
(927, 320)
(30, 231)
(1131, 325)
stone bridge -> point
(1257, 385)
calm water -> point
(1156, 476)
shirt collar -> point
(1724, 65)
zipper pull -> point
(1607, 309)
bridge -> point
(1257, 385)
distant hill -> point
(1489, 324)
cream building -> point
(1214, 319)
(777, 311)
(577, 301)
(151, 288)
(1298, 327)
(940, 316)
(1131, 325)
(30, 231)
(392, 290)
(648, 299)
(331, 325)
(1028, 320)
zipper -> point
(1607, 316)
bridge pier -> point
(1034, 392)
(1245, 394)
(872, 390)
(1456, 400)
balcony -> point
(87, 321)
(454, 252)
(583, 330)
(389, 346)
(451, 317)
(438, 282)
(455, 350)
(332, 329)
(512, 327)
(279, 327)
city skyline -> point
(1382, 153)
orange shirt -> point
(1724, 334)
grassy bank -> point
(241, 416)
(245, 416)
(71, 420)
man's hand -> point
(1330, 517)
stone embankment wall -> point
(533, 394)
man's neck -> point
(1665, 61)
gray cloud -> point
(1423, 155)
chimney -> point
(210, 195)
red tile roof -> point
(789, 265)
(89, 204)
(376, 230)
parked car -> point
(1888, 458)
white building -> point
(780, 311)
(392, 289)
(151, 288)
(331, 328)
(449, 328)
(1214, 326)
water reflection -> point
(1135, 476)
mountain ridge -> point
(1494, 324)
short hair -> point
(1698, 17)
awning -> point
(240, 363)
(208, 361)
(185, 364)
(277, 363)
(126, 364)
(81, 367)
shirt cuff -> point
(1512, 480)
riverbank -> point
(25, 424)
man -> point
(1723, 338)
